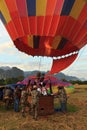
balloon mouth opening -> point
(67, 55)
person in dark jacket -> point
(17, 94)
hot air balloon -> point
(49, 28)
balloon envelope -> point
(46, 27)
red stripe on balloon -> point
(15, 16)
(83, 15)
(33, 25)
(82, 42)
(24, 40)
(25, 24)
(70, 47)
(60, 25)
(21, 5)
(47, 24)
(40, 24)
(22, 10)
(18, 26)
(68, 27)
(58, 7)
(12, 31)
(54, 24)
(75, 30)
(80, 35)
(42, 42)
(60, 64)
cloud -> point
(8, 48)
(29, 65)
(5, 46)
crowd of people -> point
(30, 94)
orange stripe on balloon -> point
(30, 41)
(50, 7)
(56, 42)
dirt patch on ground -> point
(9, 120)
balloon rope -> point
(39, 63)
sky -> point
(12, 57)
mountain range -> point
(8, 72)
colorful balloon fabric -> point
(49, 28)
(54, 84)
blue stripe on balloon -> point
(36, 41)
(2, 18)
(31, 7)
(67, 7)
(62, 43)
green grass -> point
(11, 108)
(3, 109)
(70, 108)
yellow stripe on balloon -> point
(41, 7)
(5, 11)
(77, 7)
(30, 41)
(56, 42)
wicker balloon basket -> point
(46, 105)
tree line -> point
(11, 76)
(11, 80)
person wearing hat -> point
(7, 96)
(35, 100)
(62, 98)
(24, 101)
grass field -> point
(81, 86)
(74, 119)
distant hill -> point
(66, 77)
(5, 67)
(59, 75)
(7, 72)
